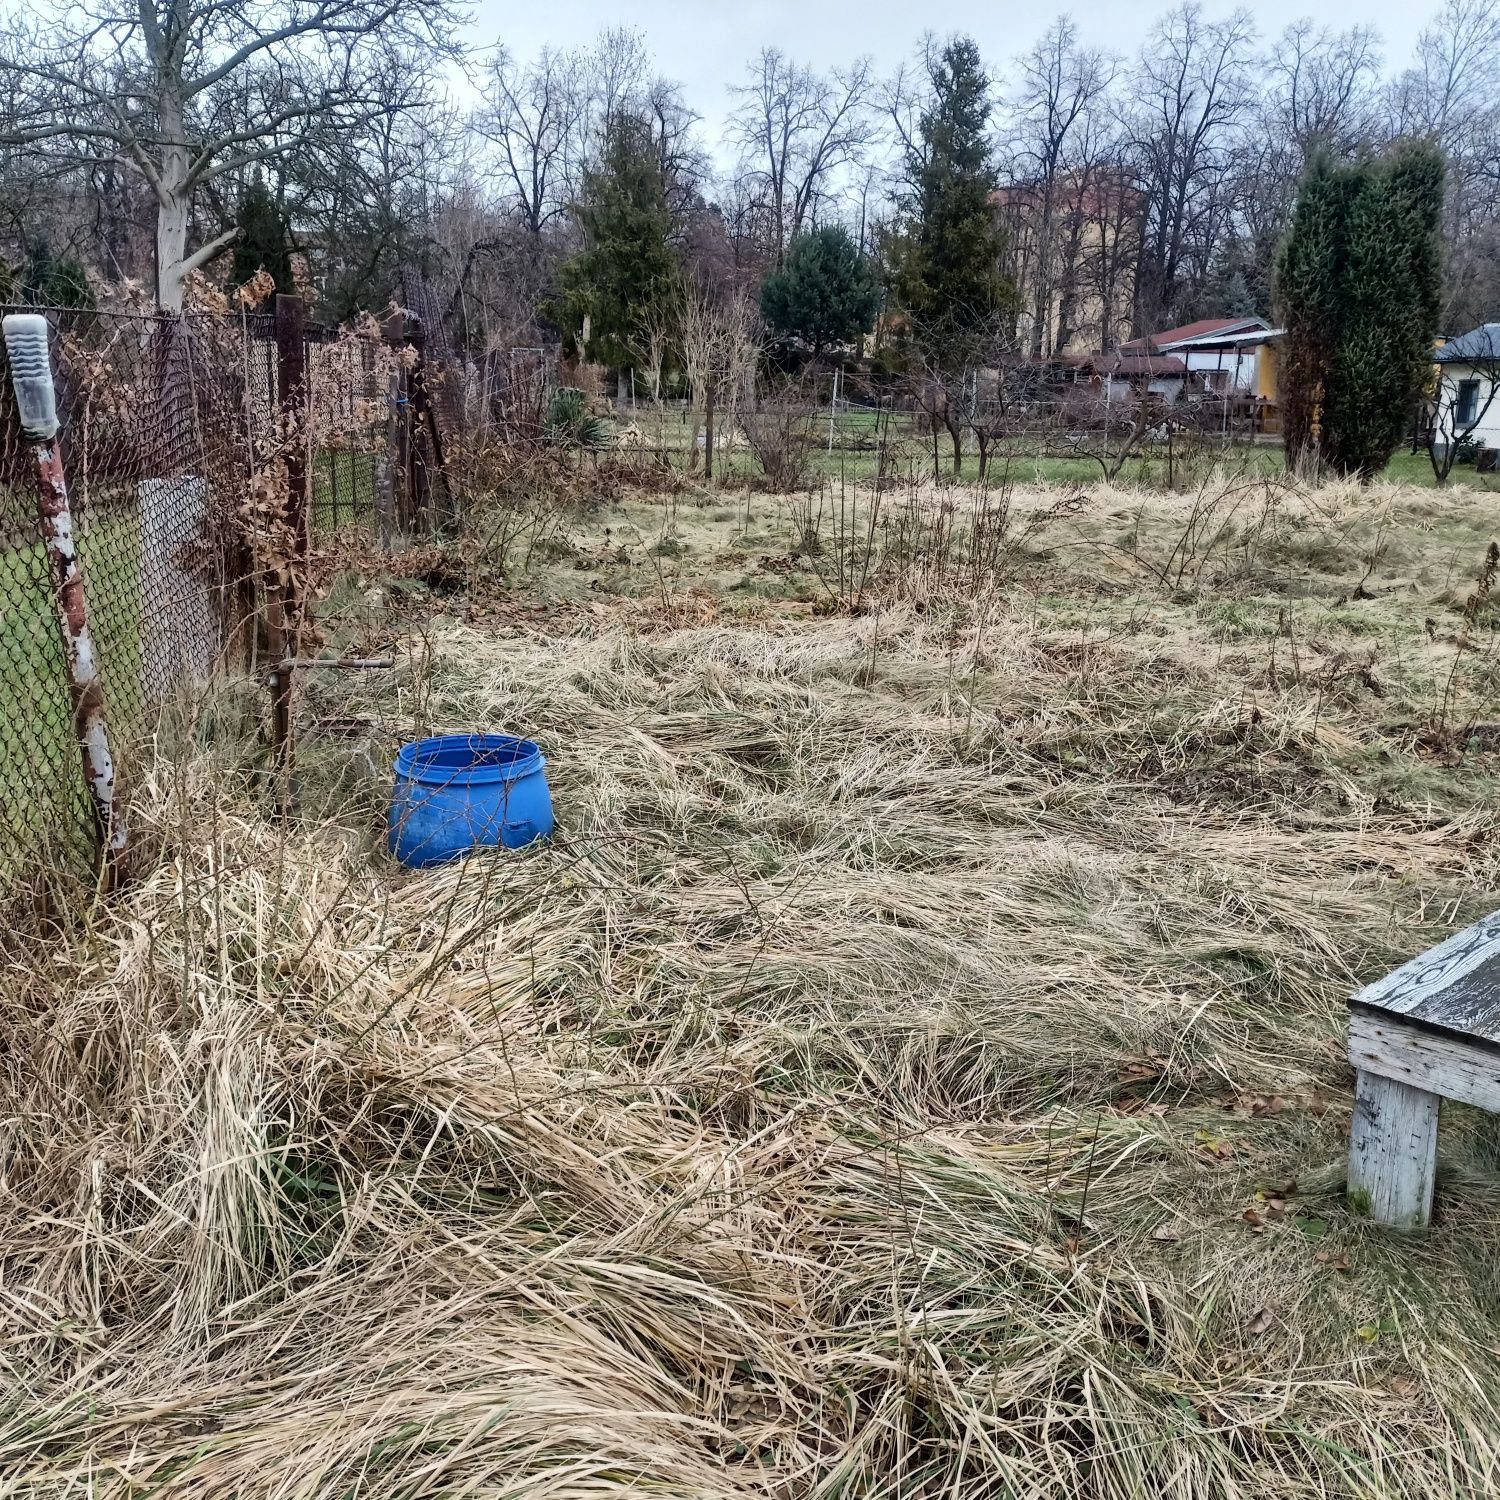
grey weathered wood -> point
(1393, 1150)
(1428, 1031)
(1440, 1062)
(1454, 985)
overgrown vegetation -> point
(916, 1066)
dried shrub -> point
(780, 435)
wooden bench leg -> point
(1393, 1150)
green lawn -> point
(42, 798)
(853, 454)
(343, 488)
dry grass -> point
(915, 1071)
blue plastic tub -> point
(457, 792)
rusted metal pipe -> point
(31, 374)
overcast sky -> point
(705, 44)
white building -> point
(1466, 402)
(1220, 354)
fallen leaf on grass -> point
(1372, 1332)
(1260, 1323)
(1214, 1145)
(1167, 1232)
(1334, 1260)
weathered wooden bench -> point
(1429, 1031)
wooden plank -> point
(1454, 985)
(1393, 1151)
(1441, 1063)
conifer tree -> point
(946, 253)
(823, 294)
(625, 271)
(1358, 285)
(262, 242)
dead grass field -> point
(915, 1069)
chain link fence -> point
(177, 436)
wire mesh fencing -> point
(150, 455)
(199, 472)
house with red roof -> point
(1221, 355)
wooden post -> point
(1426, 1032)
(291, 374)
(398, 421)
(284, 601)
(1393, 1150)
(423, 415)
(333, 487)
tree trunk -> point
(1041, 308)
(956, 433)
(173, 204)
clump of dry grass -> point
(914, 1070)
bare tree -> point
(1467, 384)
(1318, 87)
(367, 202)
(1443, 92)
(902, 99)
(183, 92)
(1191, 90)
(659, 335)
(797, 128)
(615, 72)
(1061, 84)
(1110, 430)
(1449, 93)
(720, 350)
(532, 116)
(616, 76)
(949, 386)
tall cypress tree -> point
(625, 269)
(1392, 279)
(1308, 291)
(1358, 283)
(946, 252)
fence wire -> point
(168, 429)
